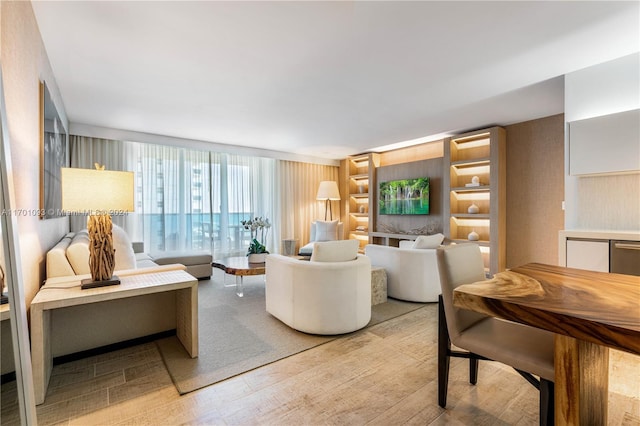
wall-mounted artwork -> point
(404, 196)
(53, 156)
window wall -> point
(189, 199)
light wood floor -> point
(385, 375)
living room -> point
(542, 197)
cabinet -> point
(606, 144)
(361, 187)
(592, 255)
(480, 153)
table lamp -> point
(97, 193)
(328, 191)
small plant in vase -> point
(259, 227)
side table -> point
(378, 285)
(289, 247)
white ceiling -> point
(324, 79)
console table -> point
(392, 238)
(55, 295)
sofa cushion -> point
(428, 241)
(335, 251)
(185, 258)
(326, 230)
(57, 263)
(78, 253)
(125, 257)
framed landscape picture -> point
(54, 156)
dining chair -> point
(528, 350)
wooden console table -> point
(589, 312)
(63, 294)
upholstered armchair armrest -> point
(412, 274)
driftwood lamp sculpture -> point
(98, 193)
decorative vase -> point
(473, 236)
(257, 257)
(475, 180)
(361, 209)
(473, 209)
(361, 189)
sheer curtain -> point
(243, 189)
(188, 199)
(173, 190)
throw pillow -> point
(335, 251)
(326, 231)
(125, 257)
(428, 241)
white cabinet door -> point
(590, 255)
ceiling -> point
(323, 79)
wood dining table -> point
(590, 312)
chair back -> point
(459, 264)
(312, 231)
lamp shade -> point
(88, 190)
(328, 190)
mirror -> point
(15, 311)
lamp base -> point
(89, 283)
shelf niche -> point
(480, 153)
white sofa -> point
(320, 297)
(70, 256)
(412, 273)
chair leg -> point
(547, 408)
(444, 346)
(473, 370)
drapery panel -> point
(196, 200)
(297, 187)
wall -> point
(535, 190)
(24, 65)
(602, 202)
(415, 169)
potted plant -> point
(259, 227)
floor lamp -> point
(97, 193)
(328, 191)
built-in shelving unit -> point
(360, 208)
(483, 154)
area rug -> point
(237, 334)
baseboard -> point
(113, 347)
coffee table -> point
(239, 267)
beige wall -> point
(535, 190)
(24, 65)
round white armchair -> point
(319, 297)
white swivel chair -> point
(330, 294)
(412, 273)
(528, 350)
